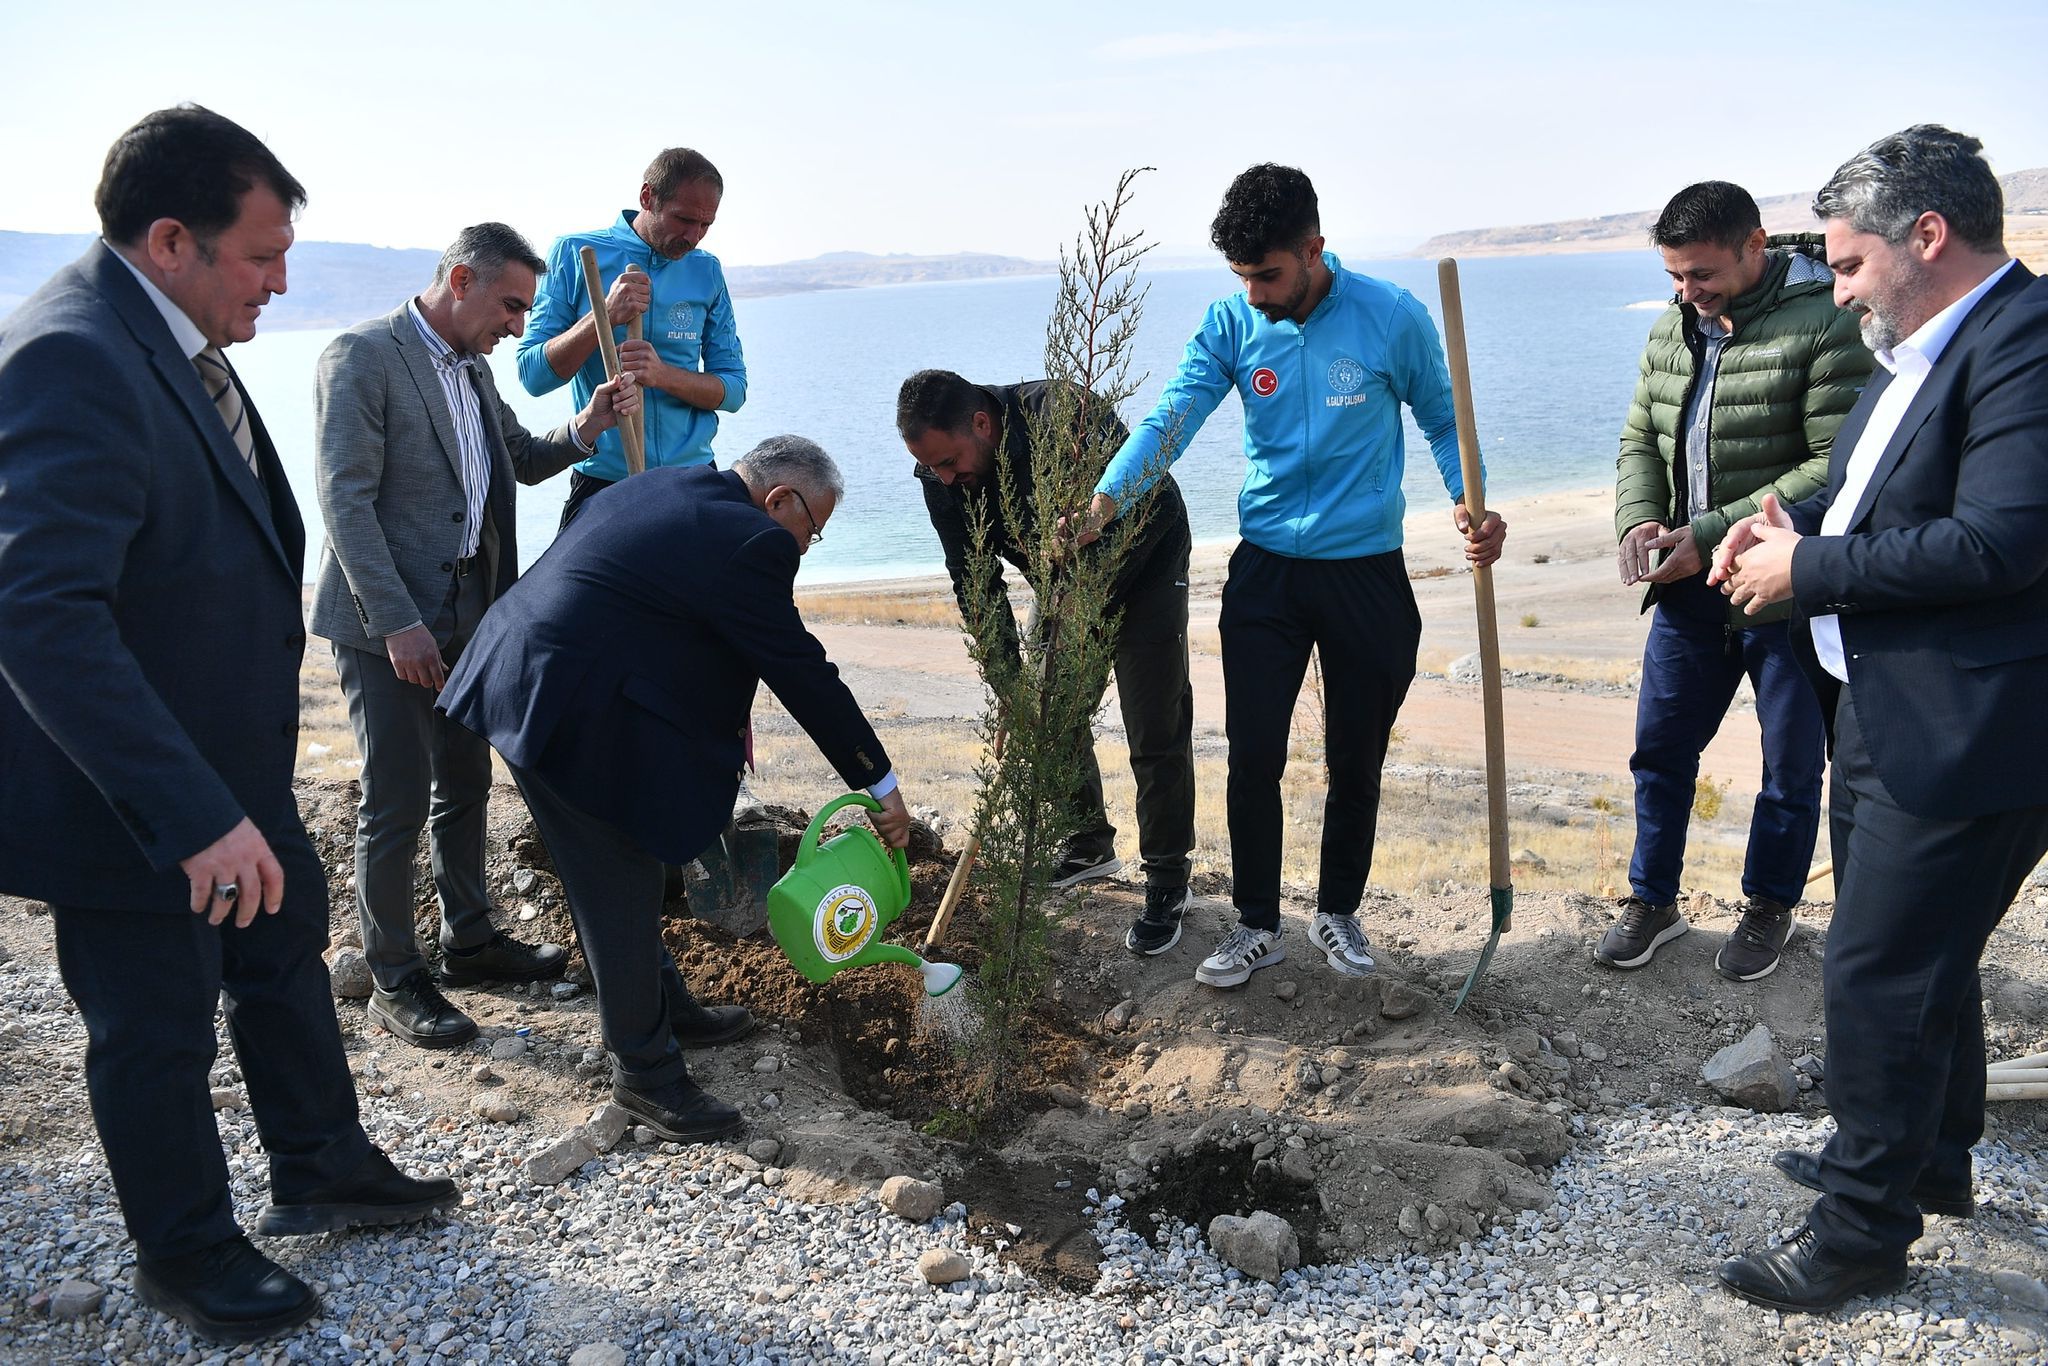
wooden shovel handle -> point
(1482, 575)
(956, 886)
(629, 437)
(636, 330)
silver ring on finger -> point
(226, 891)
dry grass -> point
(327, 746)
(880, 606)
(1431, 829)
(1571, 667)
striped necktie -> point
(219, 382)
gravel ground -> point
(673, 1254)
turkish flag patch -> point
(1264, 382)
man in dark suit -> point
(150, 636)
(415, 457)
(616, 679)
(1920, 578)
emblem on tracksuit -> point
(679, 317)
(1346, 375)
(1264, 382)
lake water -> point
(1554, 343)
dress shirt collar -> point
(184, 331)
(1918, 353)
(445, 356)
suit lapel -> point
(427, 381)
(1934, 391)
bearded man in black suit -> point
(1920, 578)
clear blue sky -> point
(949, 127)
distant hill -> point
(2026, 198)
(334, 284)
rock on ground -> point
(560, 1160)
(349, 975)
(1752, 1073)
(1263, 1245)
(909, 1198)
(942, 1266)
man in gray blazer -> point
(415, 455)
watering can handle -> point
(817, 825)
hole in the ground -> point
(1197, 1186)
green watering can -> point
(829, 910)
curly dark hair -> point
(1268, 208)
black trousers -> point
(1916, 900)
(147, 984)
(581, 487)
(1360, 617)
(614, 889)
(419, 769)
(1157, 701)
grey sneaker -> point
(1753, 947)
(1342, 943)
(1243, 952)
(1634, 939)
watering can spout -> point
(940, 978)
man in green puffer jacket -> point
(1744, 381)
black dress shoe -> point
(374, 1193)
(1804, 1167)
(708, 1026)
(503, 959)
(1801, 1275)
(416, 1011)
(680, 1111)
(229, 1292)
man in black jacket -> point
(1920, 580)
(955, 430)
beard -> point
(1896, 310)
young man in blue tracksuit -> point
(1323, 358)
(688, 363)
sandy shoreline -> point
(1561, 608)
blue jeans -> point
(1692, 663)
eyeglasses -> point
(817, 532)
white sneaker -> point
(1243, 952)
(1343, 943)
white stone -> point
(907, 1197)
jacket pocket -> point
(2002, 644)
(653, 697)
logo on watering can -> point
(844, 923)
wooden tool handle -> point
(1482, 575)
(636, 455)
(956, 886)
(636, 331)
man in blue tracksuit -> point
(1323, 358)
(689, 363)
